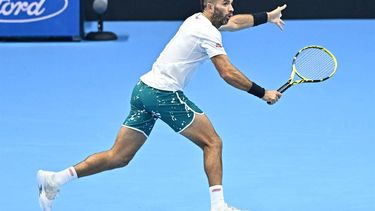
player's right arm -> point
(237, 79)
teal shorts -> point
(149, 104)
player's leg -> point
(203, 134)
(183, 116)
(131, 137)
(127, 143)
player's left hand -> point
(275, 16)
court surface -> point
(312, 151)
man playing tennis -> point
(159, 95)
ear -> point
(210, 7)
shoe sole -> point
(40, 181)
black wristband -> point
(257, 90)
(260, 18)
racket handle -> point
(282, 89)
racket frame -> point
(292, 82)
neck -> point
(210, 18)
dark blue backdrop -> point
(27, 18)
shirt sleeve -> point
(212, 44)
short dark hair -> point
(205, 2)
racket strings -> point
(314, 64)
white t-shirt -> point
(196, 40)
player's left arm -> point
(243, 21)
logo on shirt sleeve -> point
(218, 45)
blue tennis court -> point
(313, 150)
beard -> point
(219, 18)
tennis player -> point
(159, 95)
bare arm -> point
(230, 73)
(243, 21)
(237, 79)
(238, 22)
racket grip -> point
(282, 89)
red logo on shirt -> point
(218, 45)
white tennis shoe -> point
(226, 207)
(48, 189)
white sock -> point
(65, 176)
(217, 197)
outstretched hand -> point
(275, 16)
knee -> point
(119, 161)
(122, 162)
(214, 143)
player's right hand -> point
(271, 96)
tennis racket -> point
(311, 64)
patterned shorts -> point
(149, 104)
